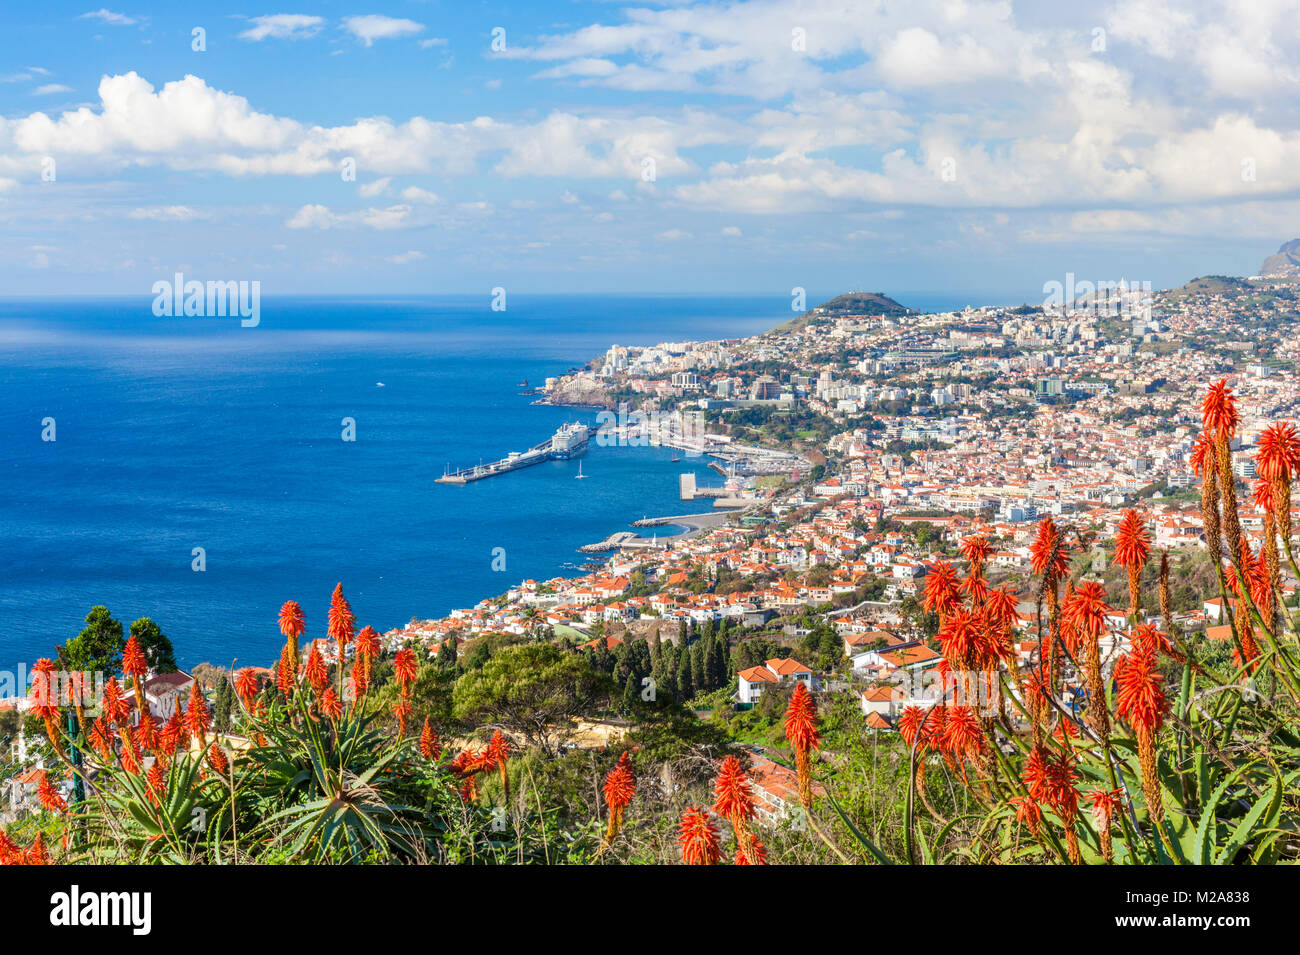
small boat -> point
(379, 384)
(579, 476)
(524, 383)
(675, 458)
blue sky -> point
(979, 148)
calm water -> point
(181, 433)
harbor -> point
(568, 442)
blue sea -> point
(179, 433)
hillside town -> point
(914, 433)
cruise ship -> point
(570, 441)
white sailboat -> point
(579, 476)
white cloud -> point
(109, 17)
(673, 235)
(49, 88)
(416, 194)
(374, 27)
(405, 258)
(283, 26)
(372, 189)
(165, 213)
(731, 231)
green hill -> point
(850, 303)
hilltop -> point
(850, 303)
(1285, 263)
(1211, 285)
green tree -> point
(98, 648)
(157, 648)
(223, 705)
(533, 690)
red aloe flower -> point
(135, 666)
(1141, 701)
(912, 723)
(115, 705)
(430, 748)
(156, 782)
(698, 837)
(247, 685)
(963, 639)
(44, 700)
(342, 621)
(1105, 806)
(1047, 552)
(940, 588)
(286, 672)
(48, 795)
(732, 796)
(217, 758)
(1132, 542)
(292, 627)
(330, 704)
(315, 671)
(801, 730)
(173, 732)
(197, 719)
(963, 737)
(620, 785)
(36, 853)
(498, 754)
(1028, 812)
(1202, 455)
(1279, 453)
(146, 733)
(1084, 611)
(1219, 411)
(291, 620)
(1000, 607)
(405, 666)
(976, 550)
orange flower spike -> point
(1279, 453)
(1028, 812)
(314, 671)
(197, 718)
(430, 747)
(940, 588)
(620, 785)
(156, 782)
(698, 838)
(405, 667)
(247, 685)
(217, 758)
(101, 738)
(1142, 703)
(44, 700)
(341, 622)
(1219, 411)
(48, 795)
(1047, 551)
(136, 667)
(1132, 548)
(292, 627)
(498, 752)
(286, 672)
(733, 798)
(976, 550)
(331, 705)
(801, 730)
